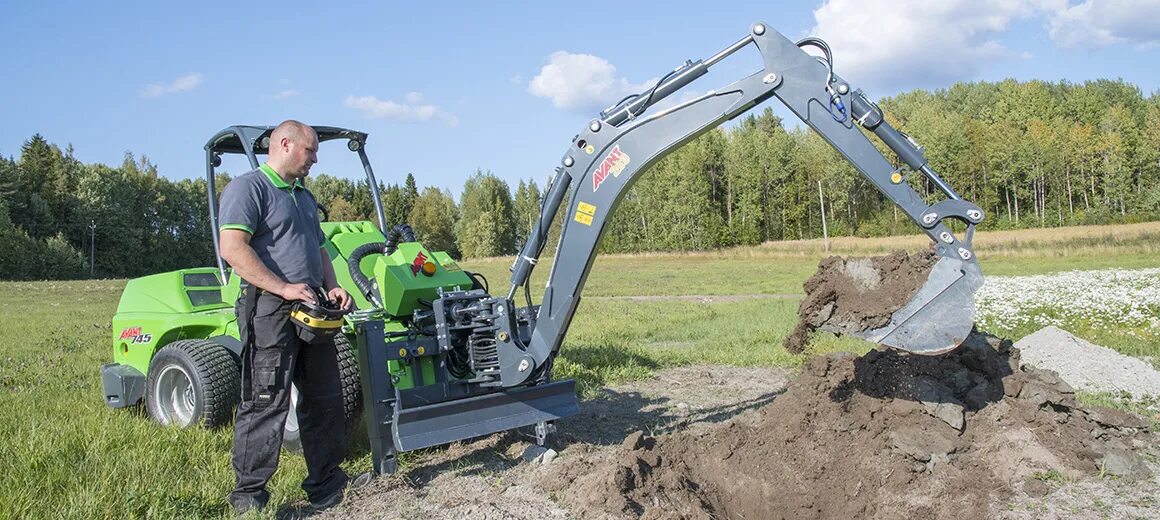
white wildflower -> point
(1105, 299)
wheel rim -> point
(175, 398)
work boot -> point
(247, 507)
(337, 497)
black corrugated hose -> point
(397, 234)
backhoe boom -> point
(604, 160)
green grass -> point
(1052, 475)
(613, 340)
(66, 455)
(994, 265)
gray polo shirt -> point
(282, 221)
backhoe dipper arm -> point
(604, 160)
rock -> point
(937, 459)
(534, 453)
(950, 413)
(823, 315)
(624, 479)
(864, 273)
(1012, 385)
(1115, 418)
(1125, 464)
(980, 395)
(921, 445)
(548, 456)
(1038, 394)
(939, 401)
(638, 440)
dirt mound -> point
(882, 435)
(491, 478)
(855, 294)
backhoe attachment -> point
(442, 359)
(605, 158)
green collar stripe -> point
(275, 179)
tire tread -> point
(218, 379)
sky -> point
(446, 88)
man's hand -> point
(340, 296)
(298, 291)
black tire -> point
(351, 395)
(192, 382)
(348, 373)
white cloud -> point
(409, 111)
(897, 43)
(581, 82)
(286, 94)
(183, 84)
(1099, 23)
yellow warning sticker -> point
(584, 213)
(451, 266)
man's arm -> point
(236, 250)
(330, 283)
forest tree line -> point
(1031, 154)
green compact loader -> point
(175, 334)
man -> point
(271, 237)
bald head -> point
(293, 149)
(292, 129)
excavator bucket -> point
(920, 303)
(939, 316)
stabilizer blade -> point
(450, 421)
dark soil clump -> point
(885, 435)
(857, 294)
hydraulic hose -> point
(397, 234)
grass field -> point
(66, 455)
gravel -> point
(1087, 366)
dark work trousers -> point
(272, 357)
